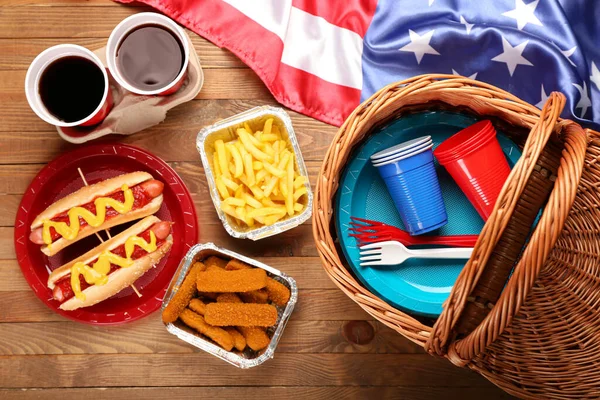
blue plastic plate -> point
(417, 286)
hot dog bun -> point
(88, 230)
(119, 279)
(87, 194)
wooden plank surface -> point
(261, 393)
(331, 348)
(18, 53)
(285, 369)
(149, 336)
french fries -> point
(237, 158)
(257, 178)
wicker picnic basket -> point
(525, 310)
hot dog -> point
(114, 265)
(94, 208)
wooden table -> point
(331, 348)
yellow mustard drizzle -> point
(98, 274)
(69, 231)
(138, 241)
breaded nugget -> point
(256, 338)
(182, 297)
(197, 322)
(231, 314)
(231, 281)
(239, 341)
(197, 306)
(256, 296)
(235, 265)
(215, 261)
(213, 268)
(228, 298)
(278, 292)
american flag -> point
(323, 57)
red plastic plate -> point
(98, 162)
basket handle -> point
(462, 351)
(512, 241)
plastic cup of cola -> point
(133, 23)
(48, 58)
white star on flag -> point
(512, 56)
(569, 53)
(420, 45)
(524, 14)
(595, 77)
(466, 24)
(540, 105)
(474, 76)
(584, 102)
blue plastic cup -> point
(413, 184)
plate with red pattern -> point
(99, 162)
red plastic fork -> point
(366, 231)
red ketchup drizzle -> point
(65, 283)
(140, 199)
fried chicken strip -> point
(197, 322)
(231, 314)
(256, 338)
(239, 341)
(182, 297)
(228, 298)
(278, 293)
(235, 265)
(231, 281)
(197, 306)
(215, 261)
(256, 296)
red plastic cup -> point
(475, 160)
(37, 68)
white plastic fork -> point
(395, 253)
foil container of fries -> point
(225, 130)
(248, 358)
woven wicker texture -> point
(541, 338)
(508, 249)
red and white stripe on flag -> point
(307, 52)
